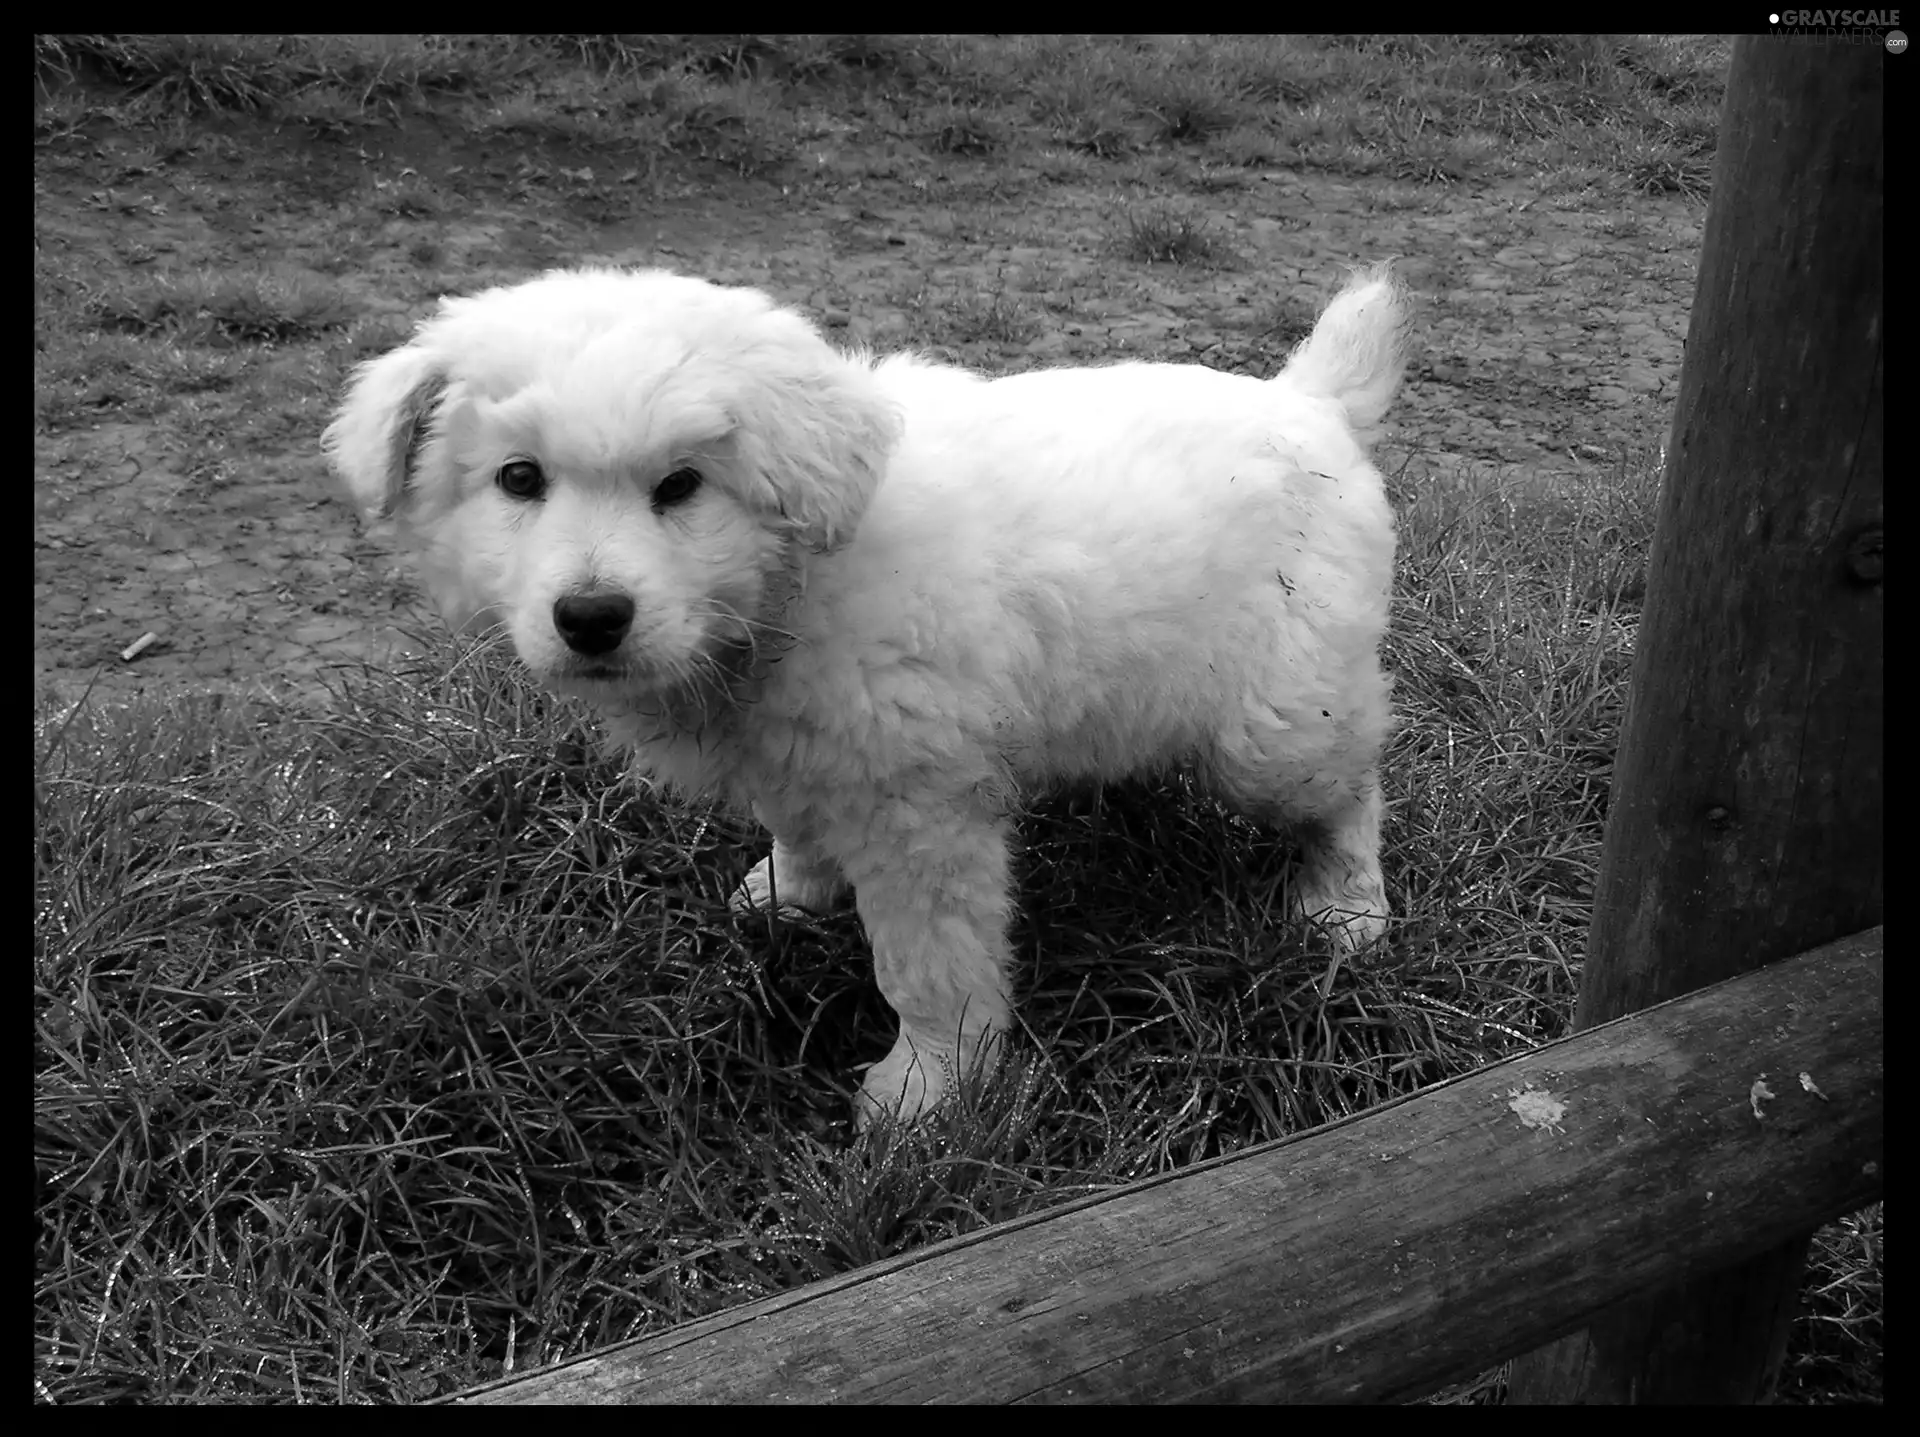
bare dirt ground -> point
(1549, 342)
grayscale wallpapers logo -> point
(1841, 27)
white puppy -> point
(877, 601)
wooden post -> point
(1747, 804)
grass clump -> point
(245, 308)
(1169, 233)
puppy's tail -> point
(1357, 349)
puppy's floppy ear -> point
(374, 440)
(815, 436)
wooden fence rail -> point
(1373, 1259)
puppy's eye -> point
(676, 488)
(521, 479)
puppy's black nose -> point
(593, 623)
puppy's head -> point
(617, 466)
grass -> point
(389, 1043)
(1559, 106)
(1168, 234)
(385, 1047)
(409, 1008)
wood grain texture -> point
(1748, 811)
(1748, 816)
(1372, 1259)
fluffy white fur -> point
(875, 601)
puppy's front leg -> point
(934, 900)
(795, 875)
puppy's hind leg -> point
(794, 875)
(1338, 883)
(1303, 774)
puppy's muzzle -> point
(593, 624)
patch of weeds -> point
(325, 114)
(740, 125)
(1063, 166)
(1104, 134)
(1576, 58)
(1323, 137)
(1661, 169)
(1680, 69)
(581, 107)
(1838, 1351)
(730, 57)
(742, 128)
(77, 382)
(66, 57)
(1187, 109)
(233, 309)
(817, 56)
(1169, 234)
(183, 76)
(1286, 319)
(374, 334)
(1212, 179)
(198, 74)
(733, 58)
(954, 318)
(1247, 146)
(196, 371)
(991, 319)
(962, 131)
(1270, 78)
(1420, 151)
(407, 196)
(60, 117)
(642, 54)
(1076, 95)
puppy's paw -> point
(795, 889)
(904, 1085)
(1351, 906)
(1351, 930)
(918, 1074)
